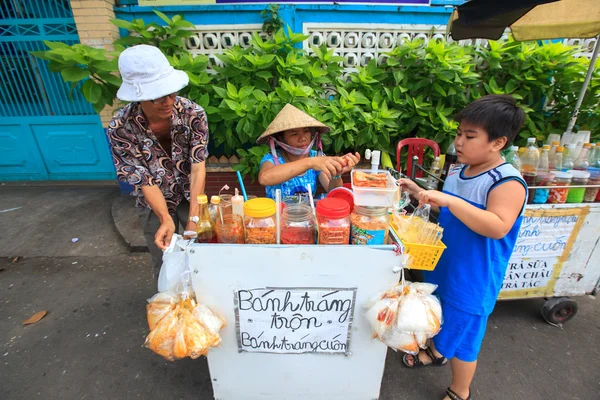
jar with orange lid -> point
(333, 219)
(259, 221)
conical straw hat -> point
(291, 118)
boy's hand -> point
(436, 198)
(412, 188)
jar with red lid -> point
(297, 224)
(333, 219)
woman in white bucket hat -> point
(159, 144)
(292, 163)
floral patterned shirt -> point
(141, 161)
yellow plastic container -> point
(423, 257)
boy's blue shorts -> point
(461, 334)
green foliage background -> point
(414, 93)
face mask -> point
(295, 150)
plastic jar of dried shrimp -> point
(259, 220)
(370, 225)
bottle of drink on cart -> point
(213, 207)
(544, 159)
(595, 159)
(558, 159)
(568, 162)
(513, 158)
(552, 153)
(529, 166)
(451, 161)
(582, 163)
(435, 170)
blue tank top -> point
(471, 270)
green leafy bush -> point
(414, 93)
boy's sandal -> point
(417, 363)
(453, 396)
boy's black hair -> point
(497, 114)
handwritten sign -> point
(294, 320)
(542, 241)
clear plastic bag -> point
(382, 316)
(401, 341)
(179, 327)
(173, 264)
(405, 316)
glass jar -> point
(333, 219)
(559, 196)
(225, 205)
(591, 194)
(540, 196)
(580, 178)
(259, 221)
(230, 229)
(370, 225)
(297, 224)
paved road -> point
(89, 346)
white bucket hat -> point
(147, 74)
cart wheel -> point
(559, 310)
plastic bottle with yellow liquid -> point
(205, 227)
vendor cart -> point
(556, 255)
(295, 324)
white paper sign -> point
(542, 240)
(294, 320)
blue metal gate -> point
(47, 131)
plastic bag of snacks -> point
(180, 327)
(405, 316)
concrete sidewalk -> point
(89, 345)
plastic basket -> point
(422, 256)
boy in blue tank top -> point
(481, 209)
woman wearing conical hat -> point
(292, 163)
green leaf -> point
(163, 17)
(438, 88)
(234, 105)
(74, 74)
(260, 95)
(108, 66)
(220, 92)
(56, 45)
(264, 74)
(91, 91)
(130, 41)
(231, 90)
(110, 78)
(99, 106)
(122, 24)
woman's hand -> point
(436, 198)
(190, 227)
(163, 235)
(350, 162)
(330, 166)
